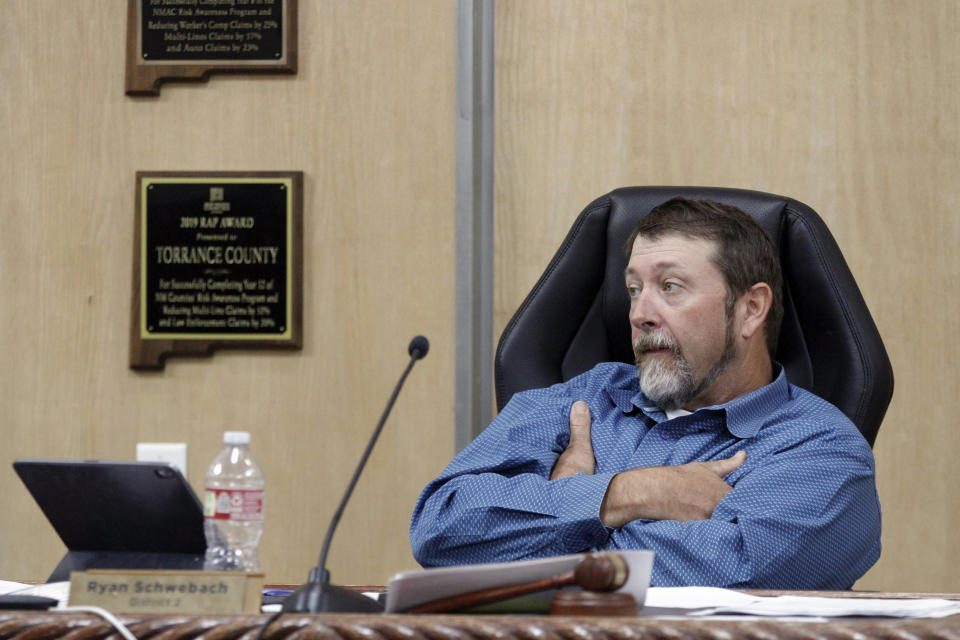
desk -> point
(24, 625)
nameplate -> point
(193, 592)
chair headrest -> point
(576, 315)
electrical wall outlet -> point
(173, 452)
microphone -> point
(318, 595)
(418, 348)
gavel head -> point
(601, 572)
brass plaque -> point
(190, 39)
(191, 592)
(217, 263)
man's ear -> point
(753, 307)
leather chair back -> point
(576, 315)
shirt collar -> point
(744, 415)
(625, 397)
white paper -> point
(707, 601)
(835, 607)
(694, 597)
(11, 587)
(273, 608)
(7, 587)
(57, 590)
(411, 588)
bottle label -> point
(233, 504)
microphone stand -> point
(318, 595)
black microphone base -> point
(315, 597)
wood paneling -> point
(369, 120)
(851, 106)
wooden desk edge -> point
(25, 625)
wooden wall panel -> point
(369, 120)
(850, 106)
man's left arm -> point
(803, 518)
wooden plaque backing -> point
(210, 285)
(144, 76)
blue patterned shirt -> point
(803, 512)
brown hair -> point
(745, 254)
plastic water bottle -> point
(233, 507)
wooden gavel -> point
(597, 572)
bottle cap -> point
(236, 437)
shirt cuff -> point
(581, 497)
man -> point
(703, 453)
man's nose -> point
(644, 314)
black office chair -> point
(576, 315)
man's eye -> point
(670, 286)
(633, 291)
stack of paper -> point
(412, 588)
(706, 601)
(58, 590)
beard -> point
(669, 381)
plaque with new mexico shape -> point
(217, 263)
(190, 39)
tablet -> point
(117, 515)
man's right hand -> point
(578, 456)
(685, 492)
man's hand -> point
(686, 492)
(578, 456)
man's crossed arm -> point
(510, 496)
(685, 492)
